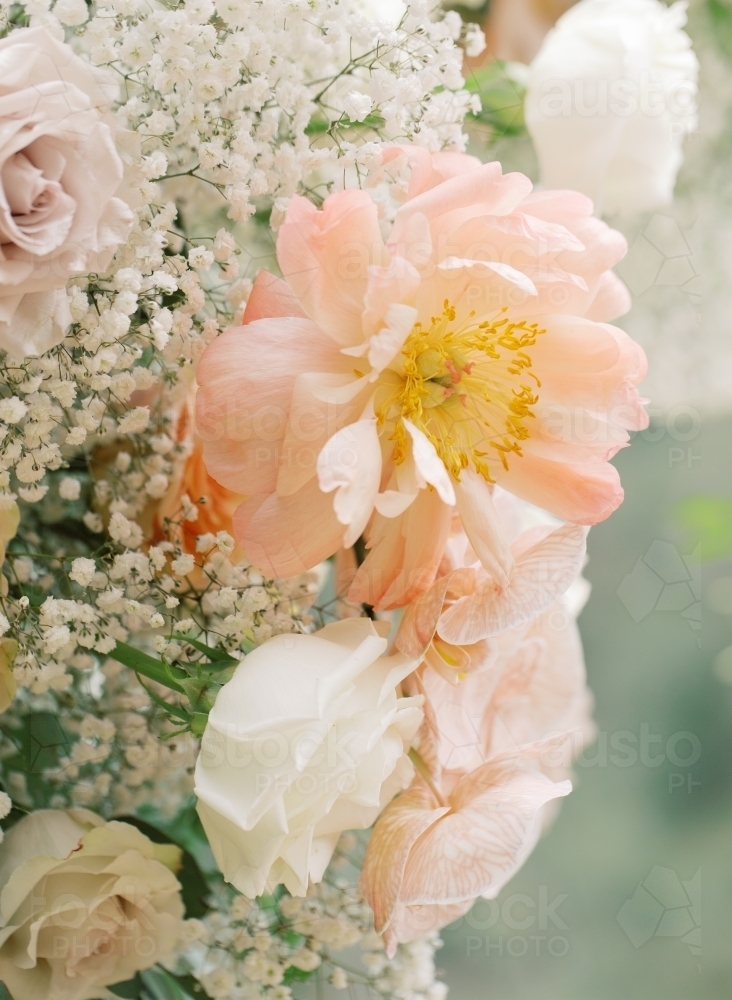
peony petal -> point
(483, 526)
(246, 379)
(325, 256)
(321, 404)
(429, 465)
(584, 493)
(419, 621)
(270, 296)
(284, 536)
(611, 299)
(405, 553)
(350, 464)
(519, 278)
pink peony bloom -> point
(382, 385)
(59, 172)
(493, 755)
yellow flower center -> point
(470, 389)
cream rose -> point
(611, 95)
(83, 904)
(59, 171)
(307, 740)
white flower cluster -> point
(236, 90)
(244, 949)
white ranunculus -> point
(611, 95)
(307, 740)
(59, 172)
(83, 904)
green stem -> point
(424, 772)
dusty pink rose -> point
(382, 385)
(59, 171)
(489, 756)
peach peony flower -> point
(487, 756)
(59, 171)
(406, 377)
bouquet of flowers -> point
(304, 415)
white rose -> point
(611, 95)
(59, 170)
(307, 739)
(83, 904)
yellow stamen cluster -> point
(470, 389)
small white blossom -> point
(183, 565)
(69, 488)
(200, 258)
(82, 571)
(357, 106)
(135, 421)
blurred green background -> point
(628, 823)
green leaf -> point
(214, 654)
(194, 887)
(148, 666)
(708, 518)
(162, 985)
(720, 14)
(201, 694)
(129, 990)
(295, 975)
(4, 992)
(501, 98)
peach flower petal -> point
(341, 466)
(325, 257)
(541, 574)
(483, 527)
(284, 536)
(270, 296)
(403, 557)
(246, 379)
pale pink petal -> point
(397, 829)
(478, 846)
(246, 378)
(484, 189)
(410, 923)
(584, 493)
(325, 256)
(316, 412)
(270, 296)
(428, 169)
(518, 278)
(350, 464)
(419, 621)
(611, 299)
(384, 344)
(403, 557)
(396, 283)
(581, 363)
(483, 526)
(551, 236)
(542, 573)
(284, 536)
(429, 465)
